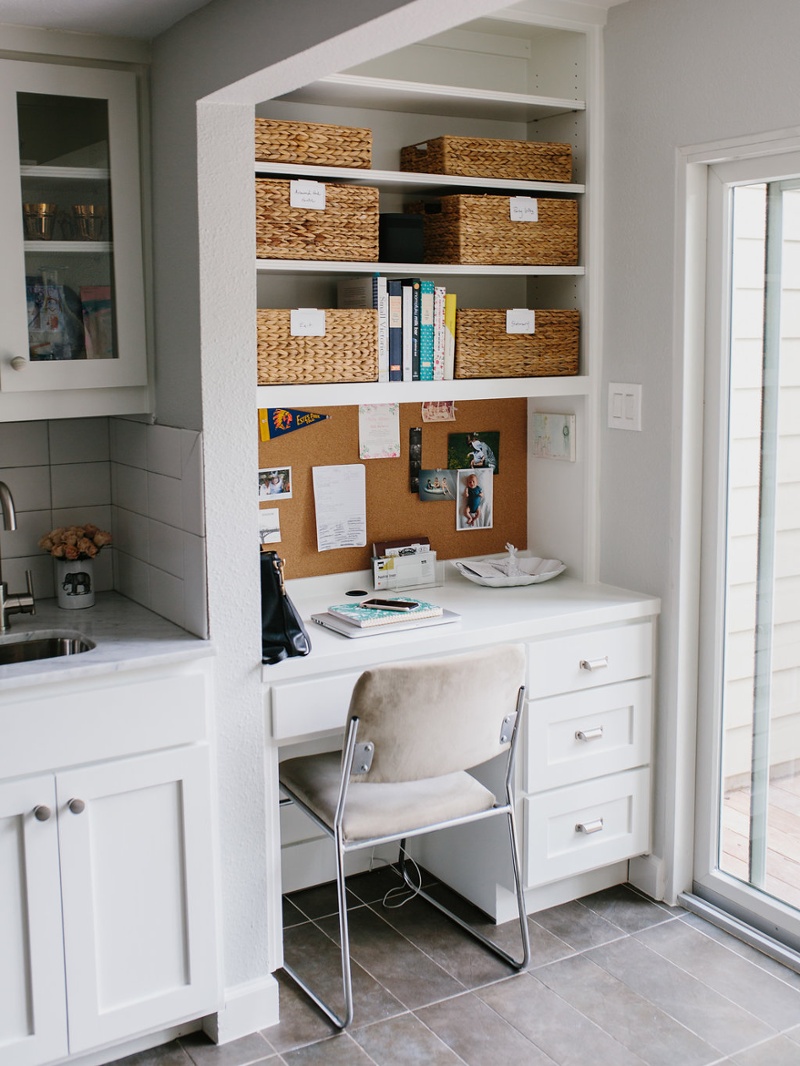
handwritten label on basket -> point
(520, 320)
(524, 208)
(308, 194)
(307, 322)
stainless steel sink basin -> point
(46, 646)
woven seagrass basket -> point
(347, 228)
(479, 229)
(485, 350)
(347, 352)
(313, 142)
(489, 157)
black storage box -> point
(400, 238)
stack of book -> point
(369, 617)
(416, 325)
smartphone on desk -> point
(390, 605)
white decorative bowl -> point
(535, 571)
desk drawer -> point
(579, 735)
(303, 707)
(607, 655)
(614, 813)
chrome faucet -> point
(22, 603)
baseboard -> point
(249, 1007)
(646, 872)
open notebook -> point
(347, 629)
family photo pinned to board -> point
(475, 499)
(276, 482)
(477, 450)
(437, 485)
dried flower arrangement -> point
(75, 542)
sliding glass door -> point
(748, 830)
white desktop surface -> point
(488, 616)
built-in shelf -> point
(69, 247)
(66, 173)
(344, 394)
(415, 184)
(387, 94)
(334, 266)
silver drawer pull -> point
(594, 664)
(589, 827)
(589, 734)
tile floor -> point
(615, 980)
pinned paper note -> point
(340, 504)
(524, 208)
(307, 322)
(378, 430)
(308, 194)
(520, 320)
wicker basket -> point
(488, 157)
(485, 350)
(347, 352)
(313, 142)
(346, 229)
(479, 229)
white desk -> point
(562, 781)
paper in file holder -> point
(395, 572)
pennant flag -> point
(275, 421)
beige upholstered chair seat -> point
(383, 809)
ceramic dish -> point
(534, 572)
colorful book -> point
(426, 328)
(367, 617)
(449, 336)
(370, 292)
(395, 331)
(411, 339)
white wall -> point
(678, 73)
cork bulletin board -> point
(393, 511)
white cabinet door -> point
(138, 894)
(71, 276)
(33, 1018)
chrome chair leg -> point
(518, 964)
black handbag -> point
(282, 631)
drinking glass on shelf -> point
(39, 221)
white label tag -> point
(307, 322)
(520, 320)
(524, 208)
(308, 194)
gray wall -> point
(678, 73)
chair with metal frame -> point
(414, 731)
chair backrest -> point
(432, 717)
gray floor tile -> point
(758, 958)
(733, 976)
(316, 958)
(553, 1025)
(393, 961)
(404, 1041)
(479, 1035)
(625, 1015)
(577, 926)
(775, 1052)
(320, 901)
(626, 909)
(249, 1049)
(339, 1050)
(171, 1054)
(715, 1019)
(291, 915)
(300, 1022)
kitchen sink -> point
(46, 646)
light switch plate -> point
(624, 406)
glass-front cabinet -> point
(71, 276)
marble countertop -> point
(125, 635)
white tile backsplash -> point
(24, 444)
(142, 482)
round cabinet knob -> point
(76, 806)
(19, 362)
(41, 813)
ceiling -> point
(142, 19)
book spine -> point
(438, 332)
(395, 290)
(381, 302)
(408, 317)
(412, 352)
(426, 329)
(450, 336)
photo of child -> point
(273, 483)
(478, 450)
(437, 485)
(475, 499)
